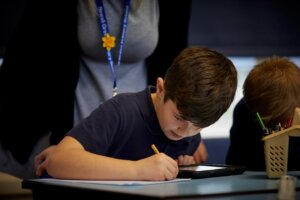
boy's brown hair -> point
(272, 88)
(202, 84)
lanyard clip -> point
(115, 91)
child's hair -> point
(202, 84)
(272, 88)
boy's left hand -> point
(186, 160)
(201, 154)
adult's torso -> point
(95, 79)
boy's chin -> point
(173, 136)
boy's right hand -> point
(158, 167)
(41, 160)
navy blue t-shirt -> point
(125, 126)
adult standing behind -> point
(272, 88)
(55, 71)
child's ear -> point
(159, 86)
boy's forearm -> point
(79, 164)
(70, 160)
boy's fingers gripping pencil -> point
(154, 149)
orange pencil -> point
(154, 149)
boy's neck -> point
(153, 97)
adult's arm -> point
(38, 76)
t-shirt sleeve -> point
(96, 132)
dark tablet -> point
(205, 171)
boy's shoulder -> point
(130, 106)
(132, 99)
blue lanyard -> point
(105, 32)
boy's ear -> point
(159, 86)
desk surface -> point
(248, 183)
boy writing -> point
(114, 142)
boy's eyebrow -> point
(178, 116)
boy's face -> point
(169, 119)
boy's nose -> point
(187, 129)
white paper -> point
(128, 183)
